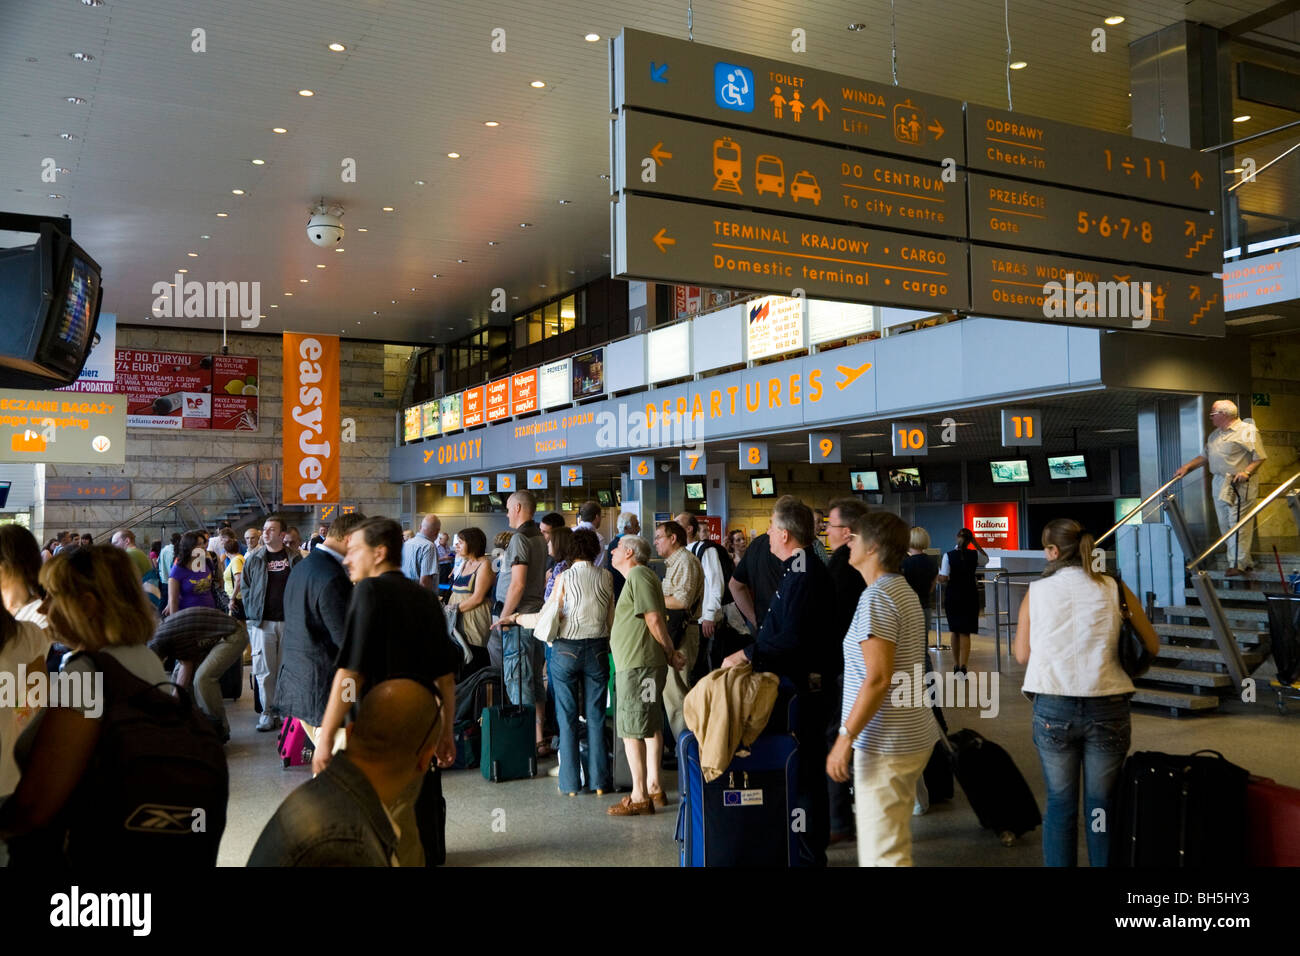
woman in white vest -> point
(1068, 636)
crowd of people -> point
(362, 635)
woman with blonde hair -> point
(1068, 635)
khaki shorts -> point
(640, 694)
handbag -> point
(1133, 654)
(453, 633)
(551, 617)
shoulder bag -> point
(1133, 654)
(551, 617)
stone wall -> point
(160, 463)
(1275, 372)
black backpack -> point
(728, 566)
(155, 792)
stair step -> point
(1203, 632)
(1263, 574)
(1178, 675)
(1207, 655)
(1239, 614)
(1253, 596)
(1177, 700)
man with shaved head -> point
(344, 816)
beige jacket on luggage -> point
(726, 711)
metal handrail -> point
(1146, 501)
(1249, 515)
(189, 492)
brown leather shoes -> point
(658, 799)
(627, 808)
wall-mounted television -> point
(762, 486)
(1067, 467)
(694, 490)
(604, 497)
(864, 480)
(1010, 471)
(906, 480)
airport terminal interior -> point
(792, 278)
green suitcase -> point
(508, 750)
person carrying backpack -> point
(718, 568)
(123, 771)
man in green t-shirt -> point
(125, 540)
(643, 652)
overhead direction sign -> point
(1066, 220)
(704, 245)
(698, 161)
(1013, 144)
(723, 86)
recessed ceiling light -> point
(493, 242)
(337, 47)
(274, 306)
(75, 100)
(306, 92)
(592, 37)
(436, 275)
(1237, 169)
(462, 261)
(278, 129)
(358, 323)
(604, 255)
(392, 301)
(205, 237)
(573, 272)
(388, 209)
(71, 136)
(537, 84)
(82, 57)
(524, 225)
(192, 255)
(1113, 21)
(363, 229)
(304, 281)
(337, 249)
(374, 313)
(1113, 431)
(420, 182)
(1019, 65)
(491, 123)
(414, 289)
(541, 285)
(857, 27)
(604, 175)
(182, 270)
(223, 215)
(564, 202)
(289, 293)
(1242, 118)
(63, 170)
(453, 155)
(320, 265)
(237, 192)
(259, 162)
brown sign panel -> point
(1088, 224)
(1012, 144)
(675, 157)
(73, 489)
(1014, 284)
(663, 240)
(723, 86)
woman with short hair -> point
(1068, 635)
(192, 578)
(471, 587)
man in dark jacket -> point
(261, 584)
(315, 607)
(795, 643)
(344, 816)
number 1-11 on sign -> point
(1022, 426)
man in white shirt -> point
(715, 588)
(589, 518)
(1233, 453)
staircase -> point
(1190, 674)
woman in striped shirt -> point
(888, 734)
(580, 662)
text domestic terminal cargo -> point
(686, 242)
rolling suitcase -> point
(1180, 810)
(1272, 823)
(294, 746)
(745, 817)
(472, 693)
(509, 742)
(938, 774)
(997, 791)
(232, 681)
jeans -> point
(207, 679)
(1074, 733)
(579, 677)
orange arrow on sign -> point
(820, 106)
(1196, 178)
(659, 154)
(937, 129)
(662, 241)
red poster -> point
(996, 524)
(235, 388)
(188, 390)
(523, 392)
(498, 399)
(715, 527)
(472, 407)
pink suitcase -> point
(295, 746)
(1272, 823)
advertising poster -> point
(411, 424)
(775, 325)
(101, 364)
(523, 392)
(188, 390)
(473, 406)
(430, 419)
(687, 300)
(310, 422)
(235, 387)
(498, 399)
(715, 526)
(554, 384)
(62, 428)
(589, 374)
(995, 523)
(833, 321)
(449, 408)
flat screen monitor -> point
(762, 486)
(4, 492)
(1010, 471)
(618, 498)
(73, 315)
(496, 500)
(694, 490)
(864, 480)
(604, 497)
(1067, 467)
(906, 479)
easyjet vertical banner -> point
(311, 418)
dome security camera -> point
(325, 227)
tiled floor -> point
(527, 823)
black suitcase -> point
(232, 681)
(473, 694)
(996, 790)
(1177, 810)
(938, 774)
